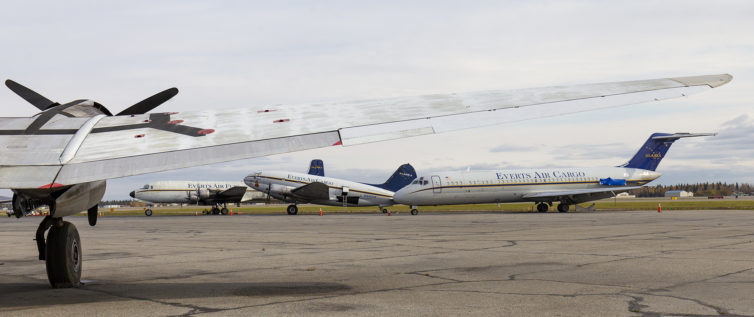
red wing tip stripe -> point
(51, 185)
(338, 143)
(175, 122)
(205, 131)
(281, 120)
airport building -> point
(678, 193)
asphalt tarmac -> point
(515, 264)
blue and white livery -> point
(543, 186)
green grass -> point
(603, 205)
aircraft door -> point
(436, 184)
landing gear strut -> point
(61, 252)
(292, 209)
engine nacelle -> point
(78, 198)
(203, 193)
(280, 189)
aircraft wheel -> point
(63, 256)
(215, 210)
(384, 210)
(542, 207)
(148, 212)
(563, 207)
(292, 209)
(224, 211)
(414, 212)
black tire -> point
(224, 211)
(292, 210)
(215, 210)
(63, 256)
(384, 210)
(563, 207)
(414, 212)
(542, 207)
(148, 212)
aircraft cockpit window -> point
(145, 187)
(425, 183)
(415, 182)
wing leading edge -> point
(121, 146)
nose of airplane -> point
(132, 194)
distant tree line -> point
(699, 189)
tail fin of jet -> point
(403, 176)
(317, 168)
(652, 152)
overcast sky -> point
(231, 54)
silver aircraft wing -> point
(233, 194)
(578, 195)
(312, 191)
(52, 149)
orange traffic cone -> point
(659, 207)
(388, 213)
(231, 212)
(320, 211)
(196, 213)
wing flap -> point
(133, 165)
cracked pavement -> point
(629, 263)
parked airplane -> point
(63, 156)
(542, 186)
(297, 188)
(216, 194)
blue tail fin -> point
(317, 168)
(403, 176)
(652, 152)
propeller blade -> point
(150, 103)
(31, 96)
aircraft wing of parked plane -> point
(578, 195)
(73, 143)
(312, 191)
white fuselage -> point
(186, 192)
(501, 186)
(280, 184)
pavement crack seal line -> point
(193, 308)
(634, 304)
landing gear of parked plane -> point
(292, 209)
(148, 212)
(414, 211)
(563, 207)
(384, 210)
(542, 207)
(61, 252)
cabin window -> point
(145, 187)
